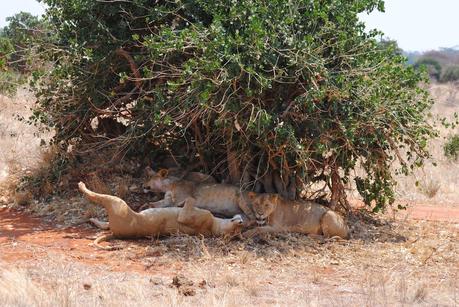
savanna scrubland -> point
(391, 258)
(200, 84)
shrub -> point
(428, 186)
(6, 49)
(268, 94)
(433, 66)
(451, 147)
(9, 82)
(451, 74)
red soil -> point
(433, 213)
(26, 238)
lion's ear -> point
(252, 195)
(163, 173)
(149, 171)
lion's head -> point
(263, 205)
(155, 180)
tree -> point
(271, 95)
(432, 65)
(22, 32)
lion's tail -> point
(104, 238)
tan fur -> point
(222, 199)
(104, 238)
(278, 215)
(196, 177)
(125, 223)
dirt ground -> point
(400, 258)
(387, 262)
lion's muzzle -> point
(261, 222)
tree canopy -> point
(21, 40)
(277, 96)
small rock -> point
(183, 285)
(204, 283)
(180, 281)
(187, 291)
(86, 286)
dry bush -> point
(429, 187)
(122, 188)
(22, 198)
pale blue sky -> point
(419, 24)
(416, 24)
(11, 7)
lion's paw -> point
(81, 186)
(237, 219)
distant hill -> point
(442, 64)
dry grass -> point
(439, 183)
(378, 267)
(96, 184)
(429, 186)
(438, 180)
(20, 150)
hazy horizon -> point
(417, 25)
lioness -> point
(275, 214)
(221, 199)
(125, 223)
(196, 177)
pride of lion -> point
(195, 204)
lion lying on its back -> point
(126, 223)
(275, 214)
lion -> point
(275, 214)
(220, 199)
(179, 173)
(123, 222)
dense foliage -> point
(451, 147)
(274, 95)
